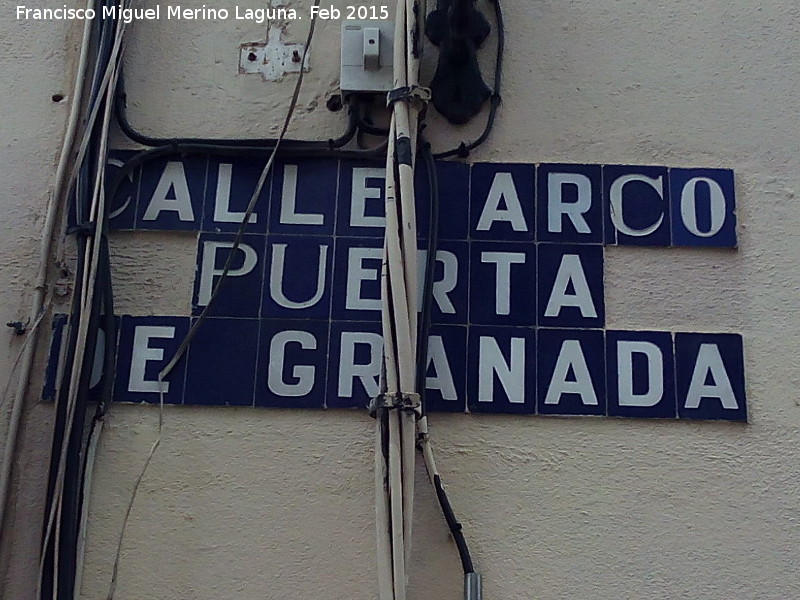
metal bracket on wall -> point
(272, 59)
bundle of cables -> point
(90, 331)
(401, 420)
(401, 423)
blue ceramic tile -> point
(453, 182)
(354, 364)
(360, 199)
(569, 204)
(637, 206)
(703, 207)
(54, 357)
(640, 374)
(571, 372)
(503, 283)
(122, 207)
(357, 279)
(56, 365)
(291, 369)
(298, 278)
(304, 196)
(710, 376)
(502, 202)
(446, 373)
(240, 294)
(221, 363)
(570, 286)
(146, 345)
(450, 283)
(501, 370)
(229, 189)
(171, 194)
(97, 382)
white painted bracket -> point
(274, 59)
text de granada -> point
(128, 15)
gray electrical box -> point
(367, 56)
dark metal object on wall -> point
(458, 29)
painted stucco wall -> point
(35, 62)
(256, 503)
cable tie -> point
(463, 150)
(408, 94)
(396, 401)
(82, 229)
(410, 401)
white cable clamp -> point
(398, 400)
(408, 94)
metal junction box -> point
(367, 56)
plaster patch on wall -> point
(272, 59)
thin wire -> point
(193, 330)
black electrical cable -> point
(465, 148)
(109, 329)
(109, 363)
(422, 345)
(454, 526)
(430, 264)
(59, 432)
(146, 156)
(71, 492)
(369, 128)
(101, 318)
(120, 112)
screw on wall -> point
(18, 326)
(273, 59)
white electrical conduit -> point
(396, 427)
(91, 454)
(28, 351)
(91, 260)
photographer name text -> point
(204, 13)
